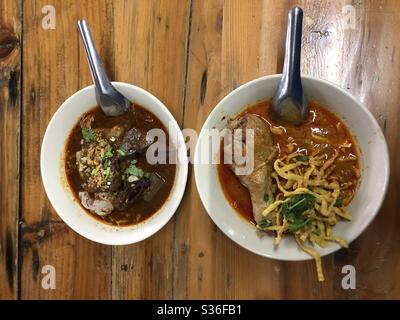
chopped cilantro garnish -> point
(294, 208)
(264, 224)
(108, 154)
(339, 202)
(133, 170)
(121, 152)
(301, 158)
(88, 135)
(107, 172)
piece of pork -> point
(101, 204)
(129, 193)
(258, 181)
(135, 141)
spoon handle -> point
(291, 68)
(100, 79)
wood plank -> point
(232, 42)
(54, 68)
(150, 42)
(225, 48)
(10, 110)
(373, 77)
(144, 43)
(361, 61)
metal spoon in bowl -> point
(289, 104)
(111, 101)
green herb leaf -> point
(109, 153)
(106, 163)
(133, 170)
(88, 135)
(300, 202)
(301, 158)
(264, 224)
(121, 152)
(266, 197)
(106, 159)
(294, 208)
(293, 227)
(339, 202)
(107, 173)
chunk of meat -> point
(258, 181)
(129, 193)
(155, 184)
(135, 141)
(101, 204)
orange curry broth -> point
(320, 121)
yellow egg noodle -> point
(298, 174)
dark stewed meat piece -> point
(129, 193)
(135, 141)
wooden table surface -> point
(190, 54)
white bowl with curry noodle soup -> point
(97, 173)
(311, 189)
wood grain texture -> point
(363, 61)
(236, 41)
(54, 68)
(190, 54)
(152, 56)
(225, 45)
(10, 109)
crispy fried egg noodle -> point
(297, 174)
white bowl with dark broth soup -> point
(292, 192)
(114, 180)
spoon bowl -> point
(289, 104)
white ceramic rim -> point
(333, 248)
